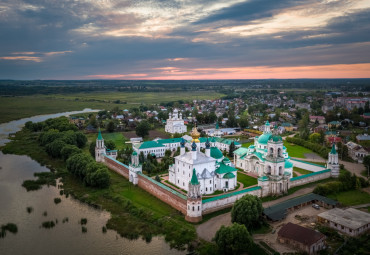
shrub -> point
(83, 221)
(29, 209)
(83, 229)
(48, 224)
(57, 200)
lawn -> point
(246, 145)
(246, 180)
(301, 171)
(296, 151)
(117, 137)
(352, 197)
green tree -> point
(54, 148)
(110, 144)
(111, 126)
(366, 162)
(231, 149)
(92, 148)
(314, 138)
(233, 240)
(243, 122)
(143, 128)
(248, 211)
(68, 150)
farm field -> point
(13, 108)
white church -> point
(257, 157)
(175, 123)
(210, 169)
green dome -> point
(229, 176)
(226, 160)
(276, 138)
(263, 139)
(288, 164)
(216, 153)
(134, 153)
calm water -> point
(64, 238)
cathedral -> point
(175, 123)
(210, 169)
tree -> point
(143, 128)
(54, 148)
(367, 163)
(243, 122)
(314, 138)
(231, 149)
(233, 240)
(110, 126)
(110, 145)
(92, 148)
(69, 150)
(248, 211)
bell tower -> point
(333, 162)
(99, 148)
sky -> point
(184, 39)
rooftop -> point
(300, 234)
(349, 217)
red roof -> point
(300, 234)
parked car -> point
(316, 206)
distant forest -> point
(47, 87)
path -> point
(208, 229)
(355, 168)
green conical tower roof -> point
(194, 179)
(99, 135)
(333, 150)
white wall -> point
(306, 166)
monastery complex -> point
(201, 169)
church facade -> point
(211, 169)
(175, 123)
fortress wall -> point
(214, 204)
(308, 178)
(117, 166)
(307, 165)
(165, 193)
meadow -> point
(13, 108)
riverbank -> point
(134, 212)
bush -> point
(29, 209)
(57, 200)
(83, 229)
(48, 224)
(83, 221)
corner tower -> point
(99, 148)
(333, 162)
(194, 201)
(134, 168)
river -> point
(64, 238)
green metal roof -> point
(216, 153)
(333, 151)
(279, 211)
(100, 136)
(286, 124)
(226, 160)
(223, 169)
(170, 140)
(241, 151)
(276, 138)
(288, 164)
(230, 194)
(263, 178)
(267, 123)
(150, 144)
(264, 138)
(194, 179)
(228, 176)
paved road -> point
(208, 229)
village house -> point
(318, 119)
(301, 238)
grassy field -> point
(13, 108)
(117, 137)
(301, 171)
(352, 197)
(296, 151)
(246, 180)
